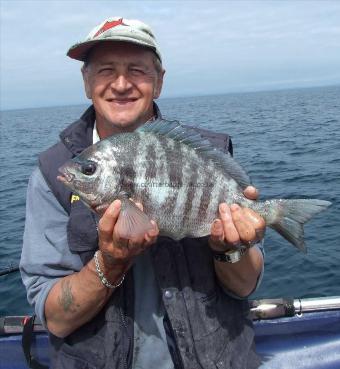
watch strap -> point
(230, 256)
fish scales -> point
(190, 193)
(157, 158)
(158, 193)
(206, 195)
(180, 179)
(128, 173)
(191, 178)
(140, 159)
(197, 200)
(170, 177)
(175, 171)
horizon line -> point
(336, 84)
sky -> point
(208, 47)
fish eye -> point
(89, 168)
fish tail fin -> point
(291, 215)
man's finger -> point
(154, 231)
(109, 219)
(260, 233)
(244, 227)
(121, 243)
(231, 233)
(135, 244)
(138, 241)
(251, 193)
(216, 239)
(255, 218)
(139, 205)
(258, 223)
(149, 240)
(151, 236)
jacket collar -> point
(78, 136)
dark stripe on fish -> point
(191, 192)
(206, 197)
(151, 170)
(128, 173)
(174, 162)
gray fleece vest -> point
(208, 329)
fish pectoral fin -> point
(132, 222)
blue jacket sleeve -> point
(45, 256)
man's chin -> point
(123, 122)
(126, 118)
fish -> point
(180, 179)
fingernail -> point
(152, 233)
(154, 225)
(234, 207)
(224, 208)
(256, 191)
(116, 204)
(217, 225)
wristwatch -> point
(230, 256)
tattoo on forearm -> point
(66, 297)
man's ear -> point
(159, 85)
(85, 74)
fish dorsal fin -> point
(189, 136)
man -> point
(149, 302)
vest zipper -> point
(128, 337)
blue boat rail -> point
(298, 333)
(289, 307)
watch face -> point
(231, 256)
(235, 256)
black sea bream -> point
(179, 178)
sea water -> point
(288, 141)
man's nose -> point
(121, 84)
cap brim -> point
(80, 51)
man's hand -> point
(237, 225)
(117, 251)
(77, 298)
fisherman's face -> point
(122, 81)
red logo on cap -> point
(109, 25)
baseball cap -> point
(116, 29)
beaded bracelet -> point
(101, 276)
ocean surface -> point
(288, 141)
